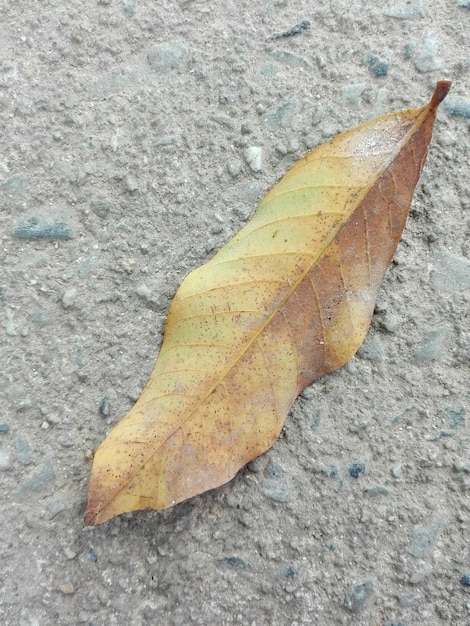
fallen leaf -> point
(287, 300)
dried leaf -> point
(287, 300)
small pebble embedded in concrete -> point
(358, 594)
(455, 416)
(23, 450)
(16, 182)
(290, 59)
(424, 539)
(67, 589)
(167, 57)
(234, 167)
(451, 272)
(462, 466)
(391, 322)
(426, 59)
(409, 49)
(131, 183)
(406, 9)
(458, 107)
(5, 460)
(432, 346)
(40, 480)
(351, 94)
(377, 66)
(36, 228)
(378, 490)
(254, 158)
(234, 561)
(282, 116)
(69, 297)
(356, 469)
(105, 407)
(420, 574)
(143, 292)
(101, 208)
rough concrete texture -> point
(136, 138)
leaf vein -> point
(287, 218)
(289, 191)
(195, 344)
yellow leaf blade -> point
(288, 299)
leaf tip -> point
(440, 92)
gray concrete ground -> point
(124, 127)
